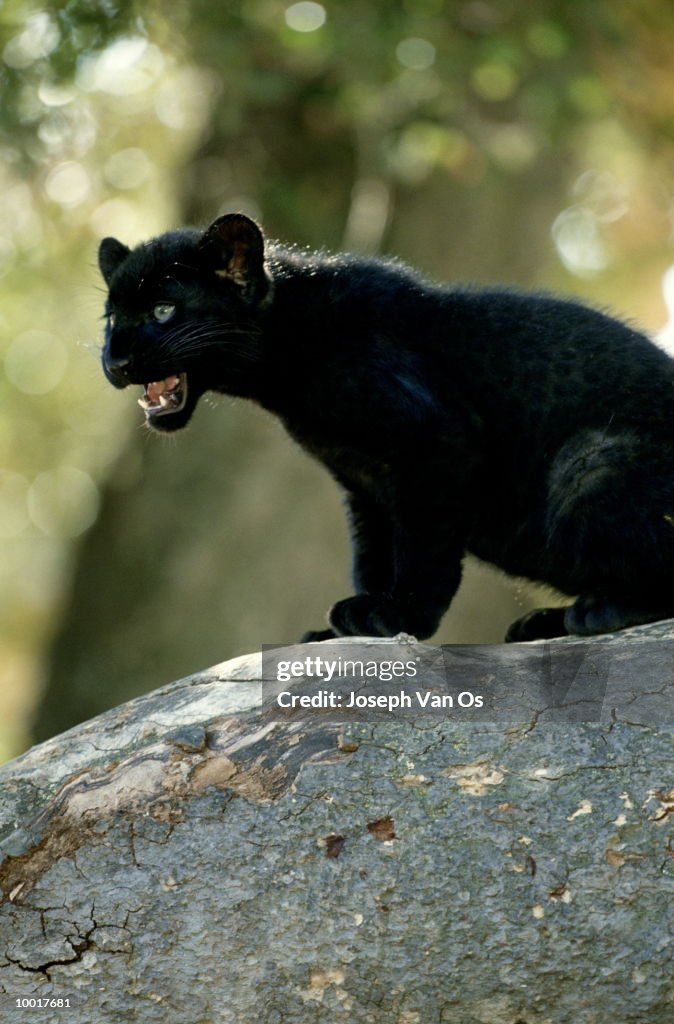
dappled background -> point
(482, 141)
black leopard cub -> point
(531, 431)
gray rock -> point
(198, 856)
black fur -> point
(531, 431)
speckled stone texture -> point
(186, 858)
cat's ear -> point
(110, 254)
(233, 247)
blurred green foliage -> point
(435, 129)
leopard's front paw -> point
(366, 615)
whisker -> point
(208, 333)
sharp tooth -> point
(164, 401)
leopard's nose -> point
(117, 362)
(117, 369)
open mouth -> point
(162, 397)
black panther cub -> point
(532, 431)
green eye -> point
(163, 311)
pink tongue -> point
(157, 388)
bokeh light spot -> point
(416, 54)
(68, 184)
(183, 101)
(494, 81)
(124, 219)
(126, 67)
(305, 16)
(128, 168)
(547, 39)
(63, 502)
(580, 246)
(512, 146)
(35, 362)
(39, 38)
(53, 95)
